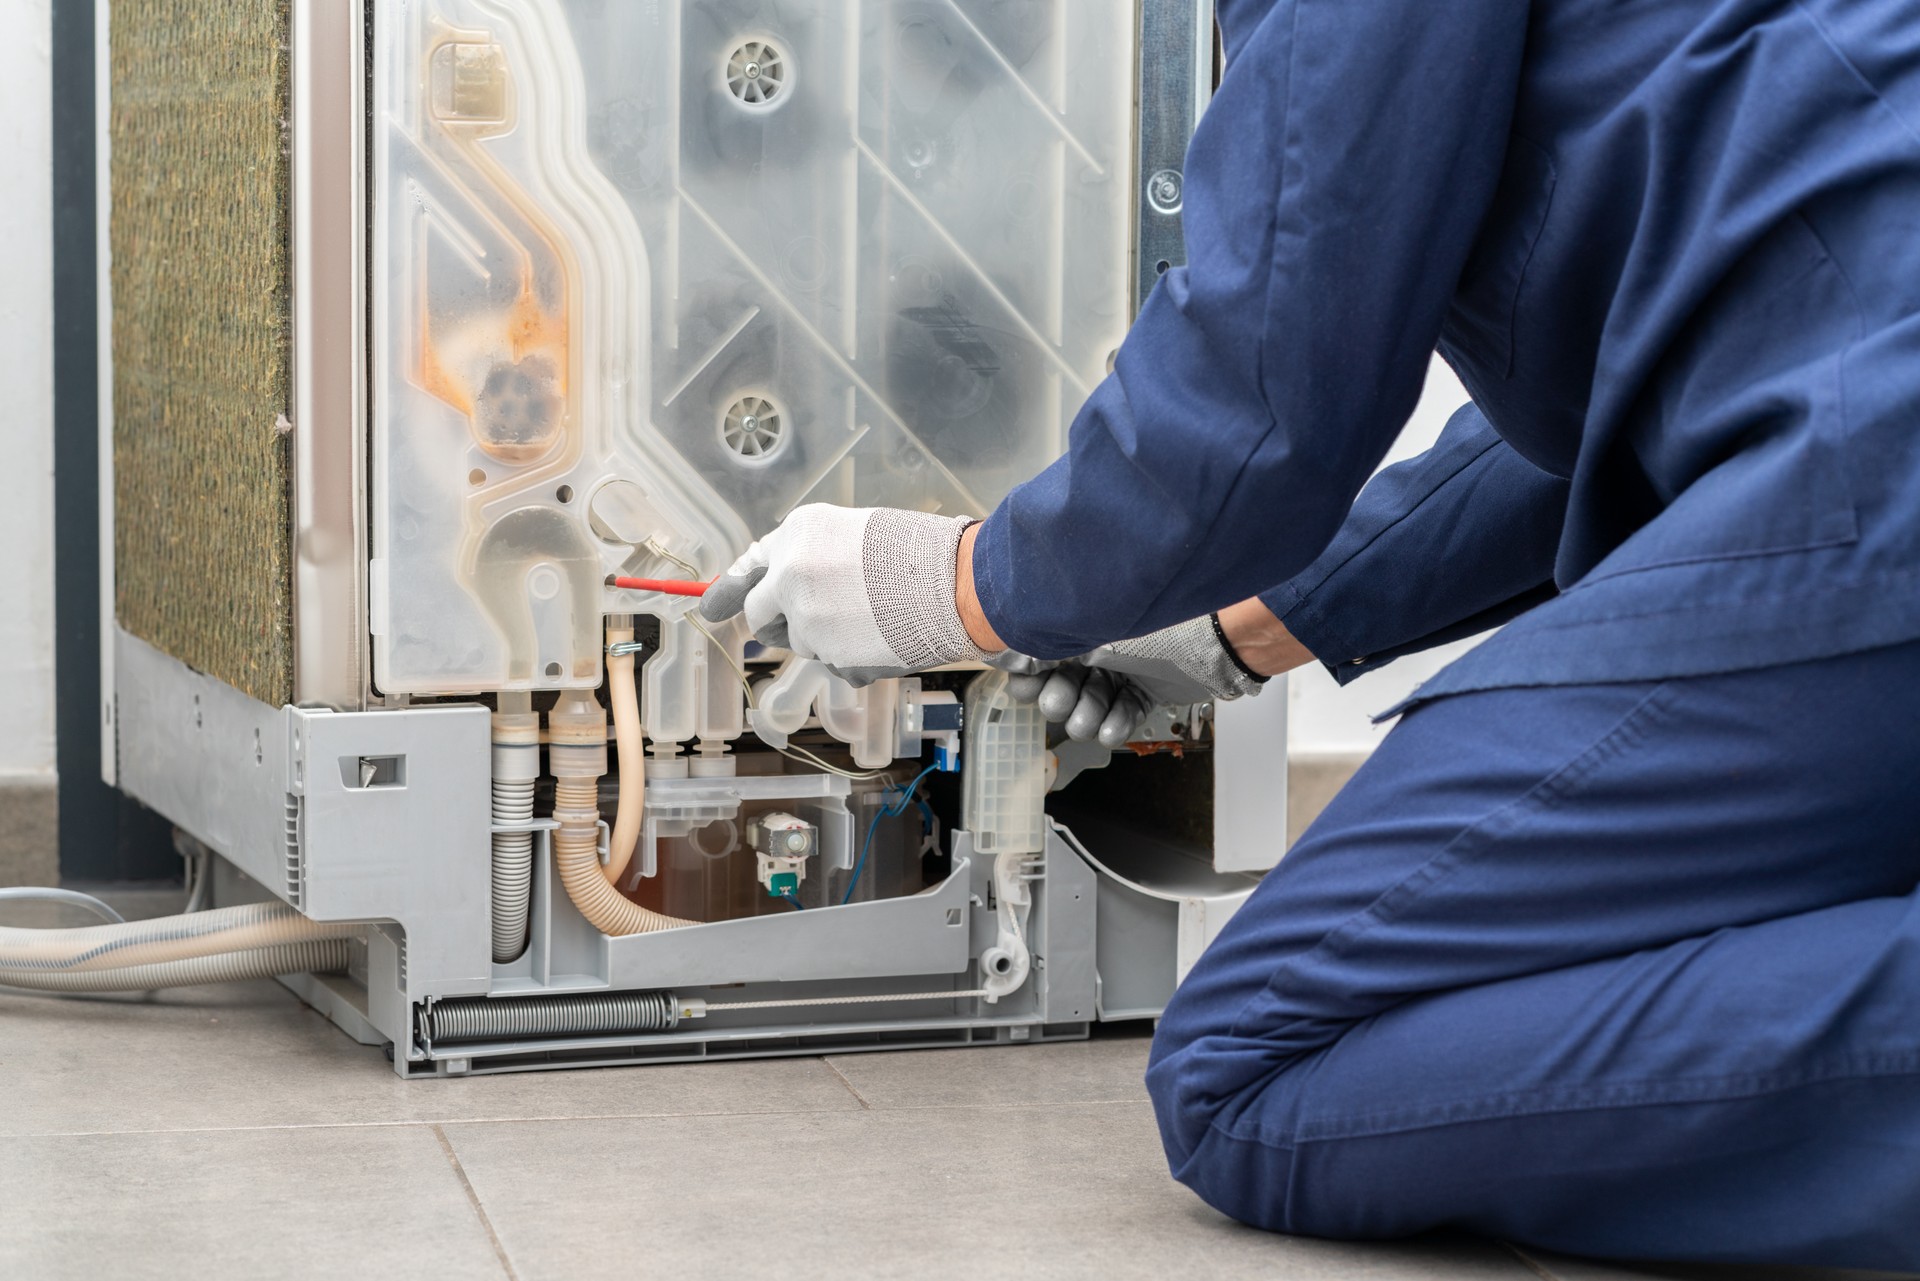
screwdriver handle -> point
(670, 586)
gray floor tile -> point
(1071, 1191)
(1107, 1069)
(250, 1054)
(1562, 1268)
(260, 1203)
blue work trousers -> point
(1624, 970)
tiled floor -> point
(231, 1132)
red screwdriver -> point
(670, 586)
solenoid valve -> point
(782, 844)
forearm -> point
(1261, 640)
(1446, 545)
(1443, 546)
(1262, 383)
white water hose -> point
(516, 769)
(326, 956)
(72, 898)
(255, 940)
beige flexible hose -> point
(577, 856)
(249, 927)
(315, 956)
(630, 739)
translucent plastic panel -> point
(648, 275)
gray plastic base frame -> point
(382, 817)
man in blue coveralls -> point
(1614, 945)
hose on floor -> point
(72, 898)
(250, 941)
(318, 956)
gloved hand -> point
(868, 591)
(1108, 694)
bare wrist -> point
(1260, 639)
(966, 599)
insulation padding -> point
(201, 335)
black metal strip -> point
(104, 836)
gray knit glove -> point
(1110, 692)
(868, 591)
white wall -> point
(26, 374)
(1326, 718)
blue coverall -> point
(1614, 946)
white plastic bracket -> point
(1004, 966)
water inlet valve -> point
(782, 844)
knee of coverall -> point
(1203, 1078)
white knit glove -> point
(1110, 692)
(868, 591)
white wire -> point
(800, 754)
(74, 898)
(791, 752)
(686, 566)
(199, 880)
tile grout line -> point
(598, 1116)
(473, 1199)
(864, 1105)
(1532, 1265)
(556, 1117)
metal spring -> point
(479, 1018)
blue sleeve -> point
(1333, 191)
(1440, 547)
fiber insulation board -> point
(201, 323)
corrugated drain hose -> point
(326, 956)
(577, 755)
(516, 768)
(254, 940)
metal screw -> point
(752, 70)
(1163, 191)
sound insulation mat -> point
(201, 324)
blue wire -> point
(794, 899)
(862, 863)
(887, 810)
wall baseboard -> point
(1313, 778)
(29, 831)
